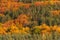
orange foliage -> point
(20, 4)
(38, 3)
(41, 3)
(2, 31)
(9, 4)
(2, 8)
(27, 5)
(2, 15)
(54, 0)
(13, 0)
(58, 29)
(15, 5)
(55, 12)
(44, 31)
(44, 26)
(54, 27)
(23, 19)
(14, 29)
(46, 3)
(8, 23)
(3, 0)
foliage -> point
(29, 20)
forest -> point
(29, 19)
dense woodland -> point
(29, 19)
